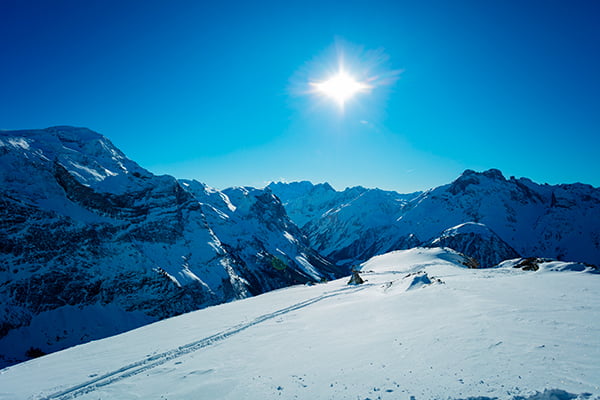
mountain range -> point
(92, 244)
(481, 214)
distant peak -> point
(492, 173)
(300, 186)
(305, 184)
(74, 138)
(326, 186)
(470, 177)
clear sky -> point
(214, 90)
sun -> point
(349, 77)
(340, 87)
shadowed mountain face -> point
(87, 234)
(513, 217)
(478, 242)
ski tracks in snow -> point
(156, 360)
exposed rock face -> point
(530, 263)
(355, 279)
(83, 230)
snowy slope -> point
(88, 235)
(422, 326)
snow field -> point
(496, 333)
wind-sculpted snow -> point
(422, 326)
(83, 226)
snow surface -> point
(422, 327)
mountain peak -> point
(491, 173)
(58, 136)
(494, 174)
(91, 158)
(299, 187)
(81, 134)
(470, 177)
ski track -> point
(153, 361)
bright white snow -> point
(420, 326)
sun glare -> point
(341, 74)
(340, 87)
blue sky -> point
(211, 90)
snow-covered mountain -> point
(91, 244)
(347, 226)
(304, 201)
(421, 327)
(556, 221)
(512, 217)
(253, 225)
